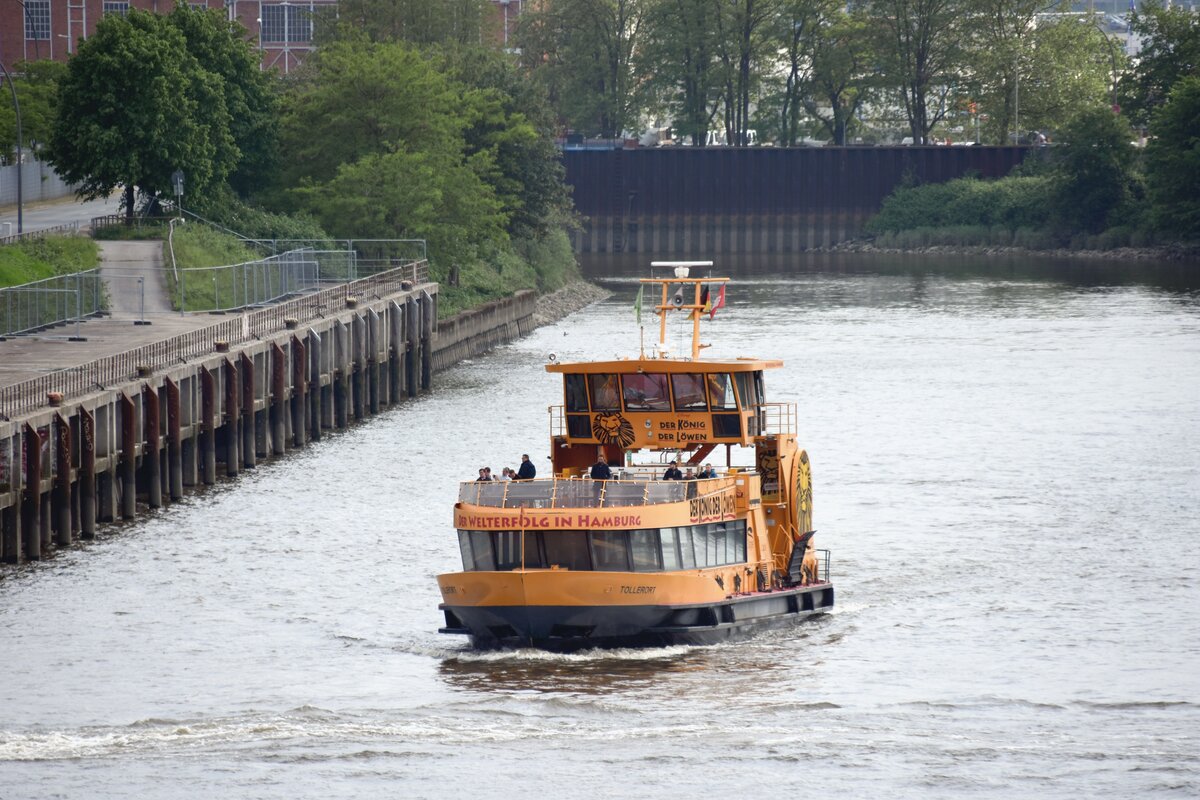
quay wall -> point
(705, 200)
(109, 452)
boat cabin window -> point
(605, 391)
(576, 391)
(646, 392)
(748, 389)
(566, 549)
(646, 550)
(720, 391)
(610, 551)
(689, 391)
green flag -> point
(637, 305)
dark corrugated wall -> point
(763, 199)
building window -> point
(111, 7)
(287, 23)
(37, 19)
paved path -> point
(25, 357)
(60, 212)
(129, 269)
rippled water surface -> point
(1006, 468)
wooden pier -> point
(95, 442)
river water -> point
(1006, 460)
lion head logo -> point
(768, 465)
(609, 428)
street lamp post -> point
(20, 146)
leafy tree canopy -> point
(1170, 51)
(1173, 160)
(135, 106)
(374, 139)
(1095, 170)
(37, 92)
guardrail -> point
(40, 233)
(50, 301)
(103, 372)
(550, 493)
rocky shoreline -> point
(1165, 253)
(575, 295)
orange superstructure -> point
(627, 553)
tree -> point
(1173, 160)
(251, 96)
(743, 45)
(373, 142)
(510, 118)
(1170, 51)
(1070, 69)
(135, 106)
(680, 65)
(37, 92)
(999, 60)
(839, 81)
(1095, 170)
(584, 52)
(919, 46)
(419, 22)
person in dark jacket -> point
(527, 471)
(673, 473)
(600, 470)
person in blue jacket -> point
(527, 470)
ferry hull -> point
(565, 628)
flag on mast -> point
(637, 306)
(720, 302)
(705, 301)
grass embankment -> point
(204, 258)
(544, 264)
(36, 259)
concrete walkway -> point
(133, 273)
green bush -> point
(1008, 202)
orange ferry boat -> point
(639, 559)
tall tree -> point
(1173, 160)
(584, 52)
(999, 59)
(1071, 66)
(744, 46)
(135, 106)
(37, 92)
(1170, 51)
(1096, 170)
(251, 96)
(373, 141)
(420, 22)
(680, 65)
(840, 80)
(919, 46)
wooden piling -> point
(412, 344)
(249, 414)
(314, 384)
(341, 372)
(299, 391)
(174, 441)
(358, 328)
(128, 456)
(427, 319)
(278, 399)
(396, 355)
(208, 427)
(10, 521)
(31, 520)
(62, 481)
(151, 461)
(232, 418)
(372, 360)
(87, 473)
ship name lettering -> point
(691, 424)
(637, 589)
(666, 425)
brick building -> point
(281, 29)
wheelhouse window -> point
(689, 391)
(566, 549)
(645, 551)
(610, 551)
(576, 393)
(605, 392)
(747, 389)
(646, 392)
(720, 392)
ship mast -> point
(678, 300)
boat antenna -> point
(686, 289)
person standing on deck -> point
(527, 471)
(600, 470)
